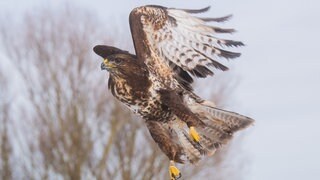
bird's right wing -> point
(185, 43)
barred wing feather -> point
(181, 40)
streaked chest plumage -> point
(144, 101)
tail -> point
(219, 126)
(233, 120)
(214, 126)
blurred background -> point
(58, 121)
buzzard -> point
(171, 46)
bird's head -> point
(116, 61)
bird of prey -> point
(171, 46)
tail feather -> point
(217, 129)
(215, 134)
(192, 153)
(233, 120)
(219, 125)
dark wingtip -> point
(195, 11)
(201, 71)
(219, 19)
(231, 43)
(222, 30)
(218, 65)
(228, 54)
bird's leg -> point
(175, 102)
(174, 172)
(194, 134)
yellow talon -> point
(174, 171)
(194, 134)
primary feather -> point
(177, 37)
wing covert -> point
(180, 40)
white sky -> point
(279, 70)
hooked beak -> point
(106, 65)
(103, 66)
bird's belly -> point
(149, 107)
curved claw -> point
(174, 172)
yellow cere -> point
(105, 61)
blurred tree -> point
(76, 130)
(5, 144)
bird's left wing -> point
(182, 41)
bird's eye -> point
(117, 61)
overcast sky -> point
(279, 71)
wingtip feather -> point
(231, 43)
(227, 54)
(219, 19)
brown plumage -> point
(171, 46)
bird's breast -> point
(144, 102)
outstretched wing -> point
(182, 41)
